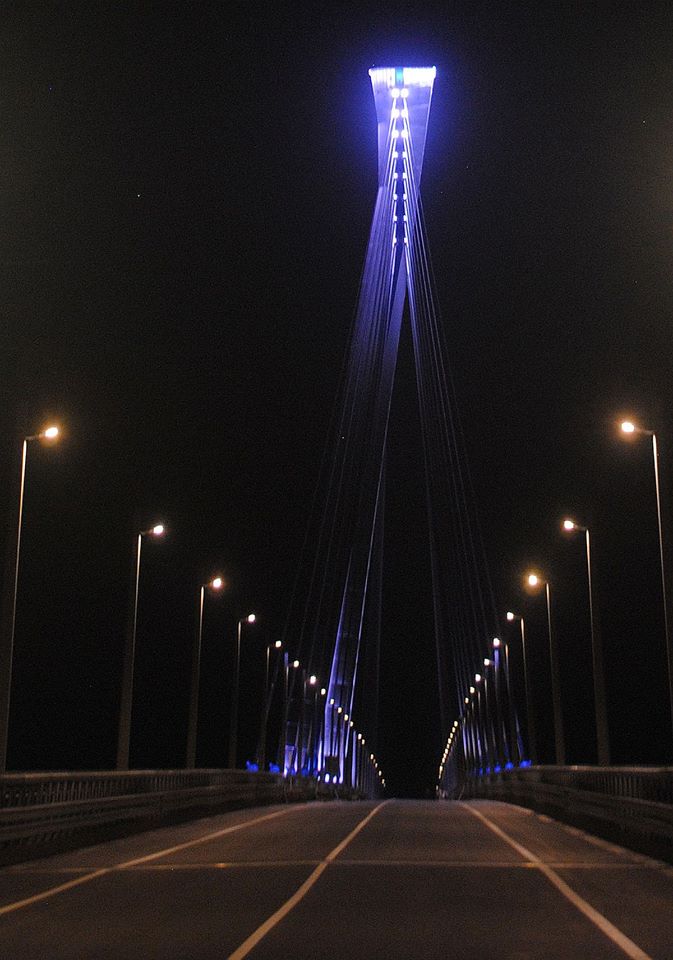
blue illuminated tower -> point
(339, 628)
(402, 96)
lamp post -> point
(602, 735)
(535, 580)
(266, 704)
(530, 716)
(468, 742)
(505, 723)
(124, 730)
(630, 428)
(493, 714)
(482, 714)
(311, 735)
(511, 723)
(477, 736)
(50, 433)
(339, 712)
(233, 724)
(192, 722)
(284, 716)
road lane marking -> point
(251, 942)
(631, 949)
(127, 864)
(383, 864)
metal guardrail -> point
(44, 812)
(632, 806)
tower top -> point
(402, 77)
(402, 96)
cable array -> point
(339, 631)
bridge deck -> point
(399, 880)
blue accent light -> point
(497, 768)
(509, 765)
(274, 768)
(251, 767)
(525, 763)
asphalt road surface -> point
(401, 879)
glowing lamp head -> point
(533, 580)
(323, 692)
(295, 664)
(627, 426)
(472, 690)
(467, 700)
(313, 680)
(251, 618)
(496, 643)
(158, 530)
(510, 616)
(477, 678)
(569, 525)
(394, 93)
(217, 583)
(278, 644)
(487, 662)
(51, 433)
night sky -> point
(186, 196)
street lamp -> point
(492, 721)
(535, 580)
(215, 584)
(233, 726)
(50, 433)
(602, 735)
(266, 703)
(126, 704)
(630, 428)
(530, 717)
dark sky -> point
(186, 194)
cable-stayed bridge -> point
(277, 877)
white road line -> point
(299, 895)
(631, 949)
(103, 871)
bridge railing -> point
(44, 812)
(632, 806)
